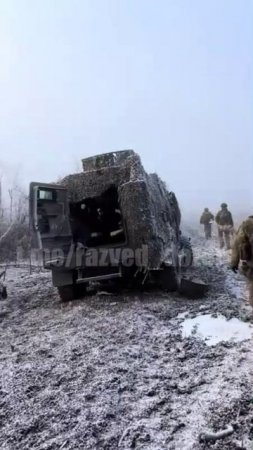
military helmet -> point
(224, 205)
(206, 209)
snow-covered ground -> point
(118, 372)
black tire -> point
(128, 278)
(186, 247)
(71, 292)
(66, 293)
(168, 279)
(80, 290)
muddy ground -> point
(116, 372)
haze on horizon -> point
(170, 79)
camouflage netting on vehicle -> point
(151, 214)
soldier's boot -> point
(208, 231)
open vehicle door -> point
(49, 219)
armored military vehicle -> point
(111, 221)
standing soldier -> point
(242, 253)
(225, 224)
(206, 220)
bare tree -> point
(10, 192)
(6, 233)
(14, 230)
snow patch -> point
(217, 329)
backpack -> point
(224, 216)
(206, 217)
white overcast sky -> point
(171, 79)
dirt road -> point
(119, 372)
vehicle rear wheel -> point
(71, 292)
(66, 293)
(80, 290)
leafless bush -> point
(14, 226)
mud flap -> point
(62, 278)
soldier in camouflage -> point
(242, 253)
(225, 224)
(206, 220)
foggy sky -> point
(170, 79)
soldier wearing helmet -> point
(206, 220)
(225, 224)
